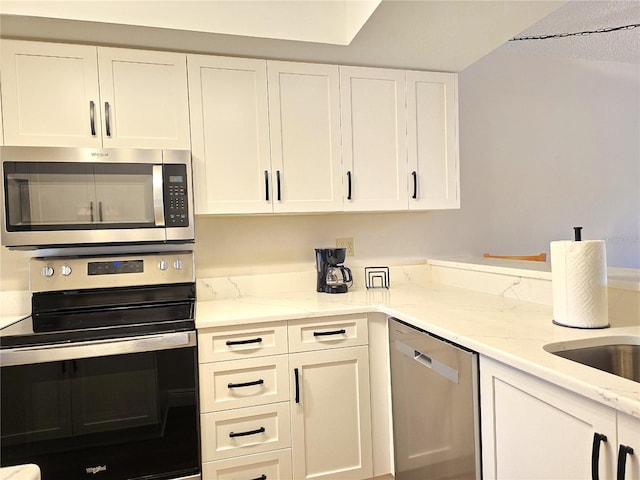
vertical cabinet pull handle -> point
(107, 118)
(598, 438)
(91, 210)
(296, 375)
(266, 185)
(100, 212)
(622, 460)
(415, 184)
(349, 185)
(278, 185)
(92, 117)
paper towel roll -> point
(579, 282)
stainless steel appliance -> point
(435, 404)
(333, 277)
(55, 196)
(101, 381)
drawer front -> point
(329, 332)
(244, 383)
(224, 343)
(244, 431)
(271, 466)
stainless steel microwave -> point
(56, 196)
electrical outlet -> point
(346, 243)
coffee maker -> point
(333, 277)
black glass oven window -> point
(127, 416)
(76, 196)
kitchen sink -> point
(619, 355)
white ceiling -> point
(580, 16)
(321, 21)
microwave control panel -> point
(176, 204)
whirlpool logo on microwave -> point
(99, 154)
(98, 469)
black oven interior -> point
(104, 380)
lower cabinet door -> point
(330, 414)
(274, 465)
(244, 431)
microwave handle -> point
(158, 199)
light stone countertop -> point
(20, 472)
(506, 329)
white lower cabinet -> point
(274, 465)
(286, 400)
(532, 429)
(330, 414)
(243, 431)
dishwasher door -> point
(434, 388)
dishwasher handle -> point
(438, 367)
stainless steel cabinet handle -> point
(92, 117)
(97, 348)
(107, 118)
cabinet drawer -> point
(243, 383)
(215, 344)
(271, 465)
(329, 332)
(243, 431)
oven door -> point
(120, 409)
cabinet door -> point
(374, 147)
(432, 136)
(330, 414)
(50, 94)
(629, 436)
(532, 429)
(144, 99)
(304, 114)
(230, 133)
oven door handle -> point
(97, 348)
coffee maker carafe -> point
(333, 277)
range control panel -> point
(80, 272)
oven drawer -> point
(216, 344)
(243, 383)
(271, 465)
(330, 332)
(244, 431)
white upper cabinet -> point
(374, 143)
(230, 134)
(143, 99)
(86, 96)
(432, 134)
(304, 113)
(50, 94)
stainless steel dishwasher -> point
(434, 389)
